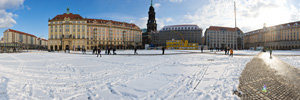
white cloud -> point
(156, 5)
(7, 18)
(176, 1)
(251, 14)
(142, 22)
(169, 19)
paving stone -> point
(257, 74)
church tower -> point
(151, 24)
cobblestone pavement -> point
(282, 80)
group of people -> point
(107, 51)
(229, 51)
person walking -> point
(225, 51)
(228, 51)
(108, 51)
(270, 52)
(163, 50)
(99, 52)
(201, 49)
(231, 52)
(114, 51)
(135, 53)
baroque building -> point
(283, 37)
(72, 32)
(151, 26)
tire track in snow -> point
(21, 65)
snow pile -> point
(80, 77)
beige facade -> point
(284, 36)
(223, 37)
(14, 38)
(71, 31)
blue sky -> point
(31, 16)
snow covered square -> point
(177, 75)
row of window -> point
(60, 22)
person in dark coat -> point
(228, 51)
(108, 51)
(225, 51)
(93, 50)
(114, 51)
(201, 49)
(270, 52)
(135, 53)
(163, 50)
(99, 52)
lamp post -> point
(61, 41)
(124, 32)
(95, 37)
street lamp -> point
(95, 37)
(124, 39)
(61, 41)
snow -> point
(177, 75)
(291, 57)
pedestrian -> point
(225, 51)
(228, 51)
(135, 53)
(99, 52)
(163, 50)
(108, 51)
(231, 52)
(114, 51)
(82, 51)
(201, 49)
(270, 52)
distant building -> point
(192, 33)
(17, 39)
(179, 44)
(224, 37)
(73, 32)
(151, 26)
(283, 36)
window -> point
(67, 30)
(78, 30)
(67, 25)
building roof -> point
(276, 26)
(11, 30)
(218, 28)
(42, 39)
(180, 27)
(113, 22)
(70, 15)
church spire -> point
(68, 9)
(151, 24)
(151, 2)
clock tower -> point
(151, 24)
